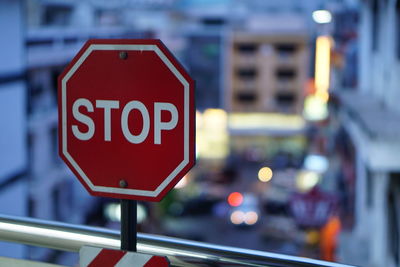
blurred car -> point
(246, 212)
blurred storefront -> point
(261, 136)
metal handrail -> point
(69, 237)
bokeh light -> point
(322, 16)
(306, 180)
(237, 217)
(235, 199)
(251, 218)
(265, 174)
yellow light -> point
(306, 180)
(212, 140)
(251, 218)
(199, 119)
(323, 95)
(322, 63)
(315, 108)
(312, 237)
(237, 217)
(262, 121)
(215, 118)
(265, 174)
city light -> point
(315, 104)
(215, 118)
(322, 16)
(199, 119)
(312, 237)
(315, 108)
(253, 121)
(265, 174)
(235, 199)
(251, 218)
(306, 180)
(317, 163)
(211, 134)
(322, 65)
(237, 217)
(112, 212)
(323, 95)
(248, 218)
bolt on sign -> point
(126, 119)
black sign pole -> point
(128, 209)
(128, 225)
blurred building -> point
(368, 139)
(266, 74)
(14, 185)
(267, 71)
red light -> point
(235, 199)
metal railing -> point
(68, 237)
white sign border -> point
(178, 75)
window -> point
(57, 15)
(285, 50)
(213, 21)
(285, 99)
(246, 97)
(246, 48)
(375, 25)
(285, 74)
(247, 73)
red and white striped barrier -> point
(103, 257)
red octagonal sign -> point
(126, 119)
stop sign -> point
(126, 119)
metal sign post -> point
(128, 225)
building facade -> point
(267, 68)
(267, 72)
(368, 116)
